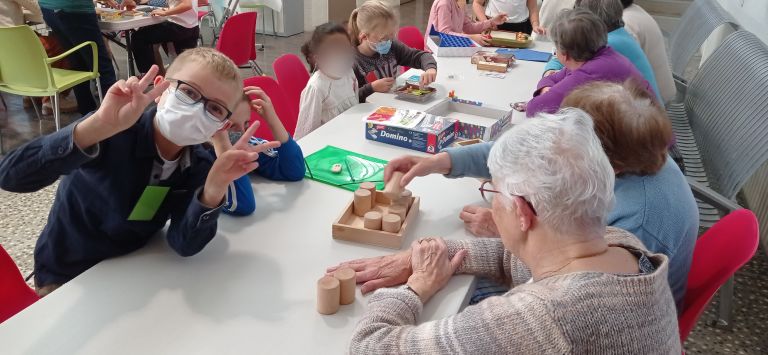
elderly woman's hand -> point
(413, 166)
(431, 267)
(479, 221)
(381, 271)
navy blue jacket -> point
(89, 218)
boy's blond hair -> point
(368, 17)
(221, 66)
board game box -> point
(445, 45)
(411, 129)
(475, 122)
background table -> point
(252, 289)
(459, 74)
(128, 25)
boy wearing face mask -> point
(126, 170)
(372, 28)
(332, 89)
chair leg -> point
(255, 67)
(725, 311)
(98, 88)
(37, 112)
(274, 23)
(56, 113)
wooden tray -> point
(508, 39)
(349, 226)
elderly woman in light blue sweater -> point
(653, 200)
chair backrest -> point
(726, 103)
(15, 295)
(719, 253)
(292, 76)
(237, 38)
(23, 64)
(412, 37)
(697, 23)
(287, 116)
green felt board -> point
(355, 168)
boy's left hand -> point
(262, 103)
(428, 77)
(231, 165)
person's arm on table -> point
(550, 93)
(415, 58)
(471, 160)
(41, 162)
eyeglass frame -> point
(202, 99)
(483, 190)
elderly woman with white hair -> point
(578, 286)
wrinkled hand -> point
(413, 166)
(381, 271)
(231, 165)
(428, 77)
(549, 72)
(499, 19)
(480, 39)
(431, 267)
(479, 221)
(383, 85)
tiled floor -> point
(22, 216)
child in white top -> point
(332, 89)
(522, 15)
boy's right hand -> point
(122, 106)
(383, 85)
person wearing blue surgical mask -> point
(372, 29)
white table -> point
(129, 25)
(459, 74)
(252, 289)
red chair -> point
(15, 295)
(719, 252)
(238, 40)
(412, 37)
(287, 115)
(292, 76)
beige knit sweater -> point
(579, 313)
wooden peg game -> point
(328, 295)
(376, 225)
(346, 277)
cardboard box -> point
(411, 129)
(475, 122)
(445, 45)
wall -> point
(316, 12)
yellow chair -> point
(25, 68)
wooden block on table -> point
(363, 202)
(490, 66)
(346, 277)
(393, 188)
(350, 227)
(399, 209)
(328, 295)
(372, 220)
(370, 187)
(391, 223)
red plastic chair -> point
(287, 115)
(292, 76)
(238, 40)
(15, 295)
(722, 250)
(412, 37)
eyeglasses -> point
(187, 94)
(489, 192)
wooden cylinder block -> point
(328, 295)
(399, 210)
(393, 188)
(372, 220)
(362, 202)
(372, 188)
(346, 277)
(391, 223)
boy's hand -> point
(263, 105)
(122, 106)
(428, 77)
(231, 165)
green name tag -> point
(148, 203)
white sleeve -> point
(310, 111)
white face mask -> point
(184, 124)
(336, 66)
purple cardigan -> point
(607, 65)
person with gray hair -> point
(551, 190)
(610, 12)
(580, 40)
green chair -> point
(25, 68)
